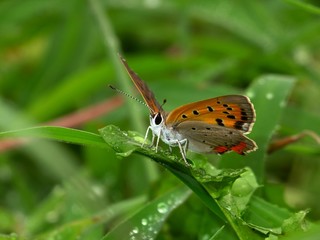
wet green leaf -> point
(147, 222)
(69, 135)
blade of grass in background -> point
(113, 48)
(67, 135)
(305, 6)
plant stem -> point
(112, 48)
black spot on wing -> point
(210, 109)
(220, 122)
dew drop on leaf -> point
(228, 208)
(269, 96)
(162, 208)
(144, 222)
(241, 188)
(134, 231)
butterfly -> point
(216, 125)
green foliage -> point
(99, 182)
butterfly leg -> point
(157, 144)
(186, 146)
(146, 136)
(183, 146)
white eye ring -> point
(157, 119)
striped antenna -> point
(128, 95)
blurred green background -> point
(58, 57)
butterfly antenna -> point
(164, 102)
(128, 95)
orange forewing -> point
(217, 111)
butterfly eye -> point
(158, 119)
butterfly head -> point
(157, 122)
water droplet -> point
(124, 154)
(133, 232)
(158, 219)
(269, 96)
(162, 208)
(241, 188)
(228, 208)
(144, 222)
(146, 237)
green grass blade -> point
(305, 6)
(58, 133)
(75, 229)
(148, 221)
